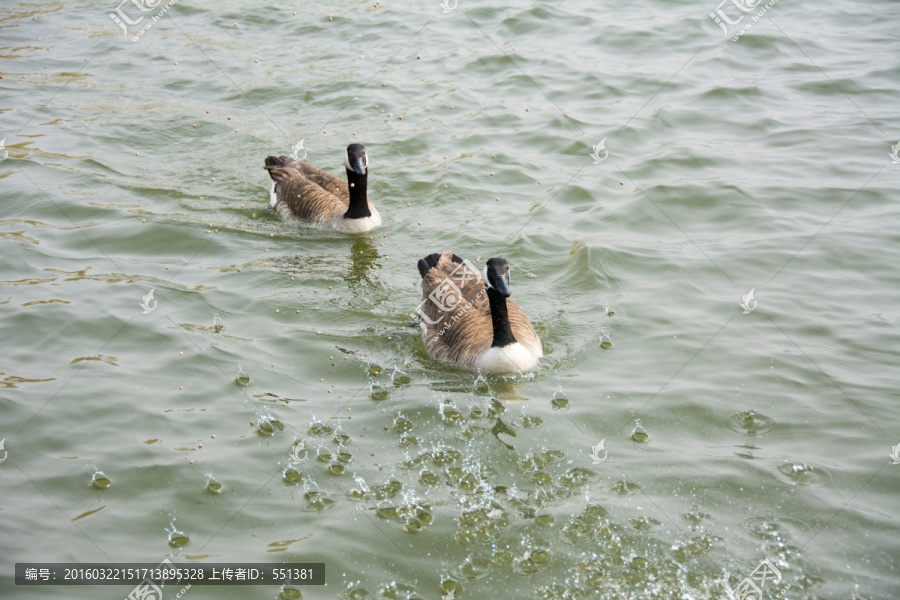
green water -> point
(726, 166)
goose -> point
(467, 319)
(301, 192)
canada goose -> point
(467, 320)
(301, 192)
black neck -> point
(359, 204)
(503, 335)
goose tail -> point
(432, 260)
(275, 165)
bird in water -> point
(468, 319)
(303, 193)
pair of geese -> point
(466, 319)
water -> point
(730, 435)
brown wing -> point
(305, 193)
(522, 329)
(456, 315)
(326, 181)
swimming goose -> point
(466, 319)
(301, 192)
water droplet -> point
(480, 386)
(638, 434)
(402, 425)
(242, 377)
(751, 422)
(267, 426)
(379, 393)
(559, 400)
(429, 478)
(398, 378)
(100, 481)
(318, 428)
(213, 486)
(292, 476)
(289, 592)
(804, 475)
(178, 539)
(528, 422)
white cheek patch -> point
(484, 275)
(273, 197)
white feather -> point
(358, 225)
(514, 357)
(273, 197)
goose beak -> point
(496, 274)
(356, 159)
(501, 284)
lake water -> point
(640, 171)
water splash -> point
(212, 484)
(399, 377)
(100, 481)
(242, 378)
(605, 341)
(559, 398)
(363, 486)
(319, 428)
(267, 425)
(378, 392)
(480, 386)
(177, 538)
(639, 434)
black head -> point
(356, 159)
(496, 276)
